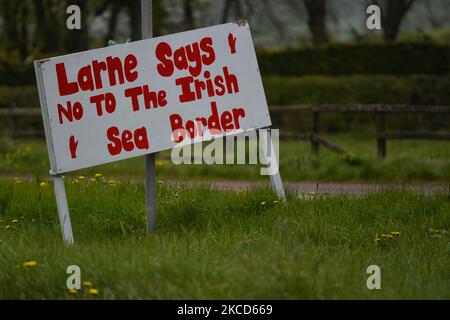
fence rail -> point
(380, 111)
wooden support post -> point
(381, 140)
(315, 132)
(13, 122)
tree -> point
(133, 9)
(392, 14)
(317, 12)
(189, 21)
(48, 25)
(15, 33)
(228, 5)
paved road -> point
(326, 187)
(302, 187)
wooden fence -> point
(380, 111)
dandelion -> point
(275, 201)
(177, 195)
(93, 180)
(395, 233)
(111, 182)
(263, 203)
(73, 291)
(42, 184)
(7, 227)
(160, 182)
(242, 190)
(93, 291)
(87, 283)
(17, 180)
(75, 181)
(160, 162)
(29, 264)
(14, 221)
(81, 177)
(98, 175)
(387, 236)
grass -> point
(407, 161)
(223, 245)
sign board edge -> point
(44, 113)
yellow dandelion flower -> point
(275, 201)
(75, 181)
(29, 264)
(7, 226)
(263, 203)
(81, 177)
(73, 291)
(17, 181)
(98, 175)
(160, 182)
(242, 190)
(93, 291)
(395, 233)
(176, 195)
(87, 283)
(387, 236)
(42, 184)
(14, 221)
(93, 180)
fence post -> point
(315, 131)
(13, 121)
(381, 140)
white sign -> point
(147, 96)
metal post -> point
(63, 209)
(269, 153)
(150, 172)
(58, 181)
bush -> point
(365, 89)
(344, 59)
(19, 96)
(358, 89)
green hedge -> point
(432, 90)
(429, 90)
(19, 96)
(367, 89)
(344, 59)
(339, 59)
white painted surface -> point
(90, 131)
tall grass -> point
(225, 245)
(407, 161)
